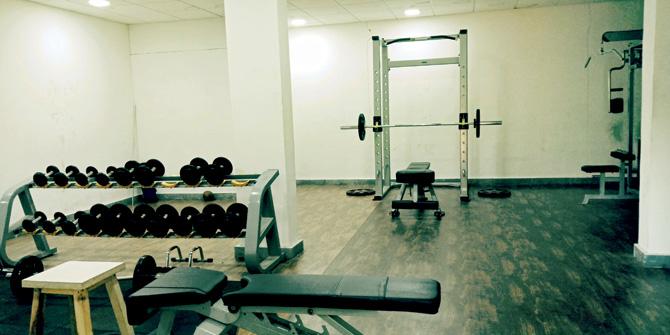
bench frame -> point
(622, 193)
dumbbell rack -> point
(261, 219)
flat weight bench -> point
(418, 178)
(623, 157)
(254, 302)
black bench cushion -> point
(416, 173)
(337, 292)
(622, 155)
(600, 168)
(179, 286)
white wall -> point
(655, 177)
(65, 97)
(180, 75)
(526, 68)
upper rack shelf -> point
(242, 180)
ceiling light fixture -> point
(412, 12)
(298, 22)
(99, 3)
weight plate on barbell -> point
(361, 126)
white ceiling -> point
(315, 12)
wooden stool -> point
(77, 278)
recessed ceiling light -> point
(412, 12)
(298, 22)
(99, 3)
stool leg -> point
(118, 305)
(622, 178)
(82, 313)
(37, 313)
(602, 183)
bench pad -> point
(622, 155)
(337, 292)
(600, 168)
(416, 173)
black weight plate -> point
(98, 210)
(167, 215)
(214, 210)
(40, 179)
(122, 177)
(89, 225)
(157, 228)
(28, 225)
(110, 169)
(144, 212)
(48, 226)
(190, 174)
(102, 179)
(61, 179)
(189, 212)
(81, 179)
(25, 267)
(145, 272)
(71, 169)
(477, 123)
(131, 165)
(494, 193)
(116, 218)
(358, 192)
(68, 227)
(184, 227)
(52, 169)
(135, 227)
(205, 226)
(214, 175)
(157, 168)
(144, 176)
(225, 164)
(77, 214)
(236, 220)
(92, 171)
(361, 127)
(199, 162)
(60, 217)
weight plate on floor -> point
(25, 267)
(358, 192)
(494, 193)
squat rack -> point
(381, 65)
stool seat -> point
(600, 168)
(415, 176)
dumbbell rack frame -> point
(261, 251)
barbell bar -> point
(476, 123)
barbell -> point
(463, 124)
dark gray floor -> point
(536, 263)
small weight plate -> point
(190, 174)
(225, 164)
(358, 192)
(199, 162)
(123, 177)
(156, 167)
(52, 169)
(25, 267)
(131, 165)
(60, 217)
(494, 193)
(68, 227)
(102, 179)
(40, 179)
(71, 169)
(81, 179)
(91, 170)
(48, 226)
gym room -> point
(334, 167)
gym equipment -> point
(147, 172)
(92, 223)
(497, 193)
(117, 217)
(24, 268)
(216, 173)
(166, 217)
(260, 303)
(359, 192)
(31, 225)
(236, 220)
(63, 179)
(144, 216)
(213, 217)
(83, 179)
(418, 178)
(120, 175)
(192, 173)
(66, 226)
(476, 124)
(184, 227)
(146, 270)
(381, 65)
(623, 191)
(41, 179)
(202, 258)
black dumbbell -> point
(120, 175)
(236, 220)
(66, 226)
(216, 173)
(184, 227)
(33, 225)
(83, 179)
(42, 179)
(212, 217)
(63, 179)
(166, 218)
(144, 216)
(92, 223)
(147, 172)
(192, 173)
(117, 217)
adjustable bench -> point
(624, 158)
(419, 179)
(254, 302)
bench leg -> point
(37, 314)
(118, 305)
(82, 313)
(622, 178)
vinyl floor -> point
(536, 263)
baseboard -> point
(651, 261)
(477, 182)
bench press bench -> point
(254, 302)
(419, 179)
(624, 158)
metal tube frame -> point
(381, 66)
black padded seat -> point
(179, 286)
(416, 173)
(337, 292)
(622, 155)
(600, 168)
